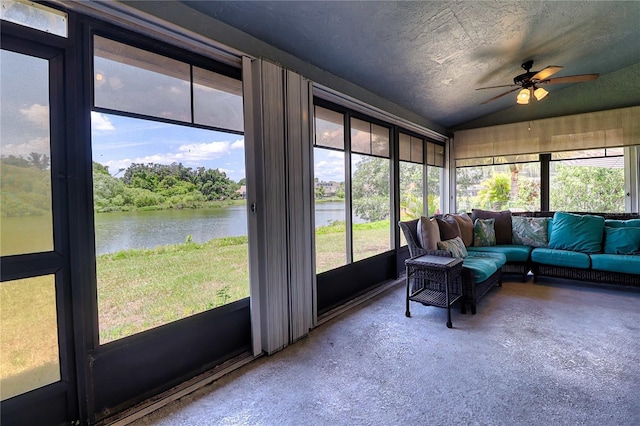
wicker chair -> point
(472, 291)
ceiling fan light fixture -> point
(523, 97)
(540, 93)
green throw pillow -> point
(455, 246)
(530, 231)
(624, 240)
(575, 232)
(484, 233)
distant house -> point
(330, 188)
(242, 191)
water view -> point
(118, 231)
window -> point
(370, 189)
(330, 203)
(169, 198)
(435, 177)
(498, 183)
(411, 178)
(587, 181)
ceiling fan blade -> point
(501, 95)
(546, 73)
(495, 87)
(571, 79)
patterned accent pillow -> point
(455, 246)
(530, 231)
(484, 233)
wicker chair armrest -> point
(443, 253)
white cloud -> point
(37, 114)
(100, 122)
(39, 145)
(336, 154)
(239, 144)
(194, 153)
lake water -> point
(146, 229)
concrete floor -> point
(550, 353)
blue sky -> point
(119, 141)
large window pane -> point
(29, 335)
(217, 100)
(508, 186)
(25, 200)
(411, 190)
(435, 176)
(137, 81)
(171, 222)
(330, 210)
(371, 205)
(587, 184)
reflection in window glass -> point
(29, 338)
(330, 209)
(137, 81)
(379, 140)
(36, 16)
(25, 175)
(360, 136)
(329, 128)
(587, 184)
(508, 186)
(370, 177)
(170, 222)
(217, 100)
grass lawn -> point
(142, 289)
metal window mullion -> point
(347, 189)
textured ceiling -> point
(428, 57)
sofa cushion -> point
(484, 234)
(530, 231)
(582, 233)
(616, 263)
(555, 257)
(455, 246)
(512, 253)
(449, 228)
(466, 227)
(502, 224)
(625, 240)
(428, 233)
(615, 223)
(498, 258)
(482, 268)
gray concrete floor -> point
(550, 353)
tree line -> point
(151, 185)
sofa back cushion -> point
(623, 240)
(466, 227)
(615, 223)
(428, 233)
(581, 233)
(449, 228)
(530, 231)
(502, 224)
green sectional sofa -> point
(594, 247)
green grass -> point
(140, 289)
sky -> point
(118, 141)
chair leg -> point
(473, 309)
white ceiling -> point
(428, 57)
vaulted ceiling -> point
(428, 57)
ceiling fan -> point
(529, 82)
